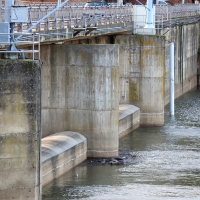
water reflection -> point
(168, 164)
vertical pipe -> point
(12, 25)
(39, 134)
(59, 2)
(8, 4)
(149, 23)
(171, 62)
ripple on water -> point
(167, 167)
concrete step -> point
(129, 119)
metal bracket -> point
(90, 29)
(78, 30)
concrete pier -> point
(81, 94)
(142, 61)
(20, 131)
(65, 150)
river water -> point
(167, 163)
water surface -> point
(167, 167)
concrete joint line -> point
(152, 113)
(170, 79)
(130, 126)
(101, 151)
(64, 164)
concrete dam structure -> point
(92, 91)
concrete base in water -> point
(63, 151)
(60, 153)
(129, 119)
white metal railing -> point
(178, 10)
(28, 40)
(68, 16)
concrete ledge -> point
(129, 119)
(61, 152)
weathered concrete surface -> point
(129, 119)
(80, 93)
(142, 60)
(186, 42)
(19, 129)
(60, 153)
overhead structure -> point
(39, 21)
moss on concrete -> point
(133, 91)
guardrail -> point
(74, 16)
(178, 10)
(29, 39)
(69, 16)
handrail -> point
(68, 16)
(31, 39)
(62, 4)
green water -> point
(167, 163)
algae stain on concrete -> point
(162, 87)
(133, 91)
(82, 54)
(130, 59)
(15, 119)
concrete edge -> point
(60, 153)
(129, 119)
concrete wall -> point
(186, 42)
(19, 129)
(144, 69)
(80, 93)
(142, 60)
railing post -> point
(38, 46)
(33, 47)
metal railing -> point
(69, 16)
(28, 40)
(74, 16)
(178, 10)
